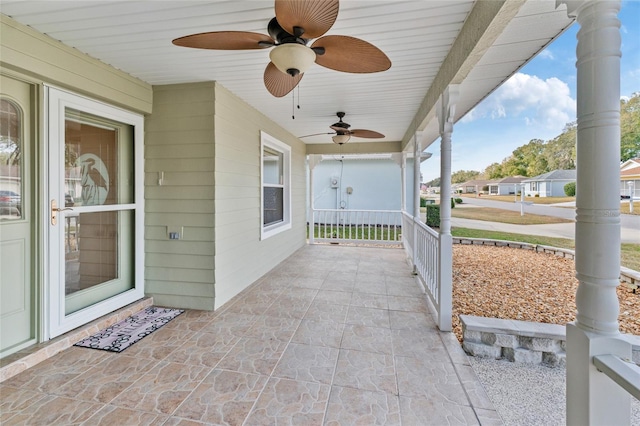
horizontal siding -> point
(179, 179)
(179, 261)
(177, 193)
(192, 233)
(180, 147)
(240, 256)
(179, 206)
(183, 302)
(195, 248)
(179, 151)
(185, 276)
(172, 219)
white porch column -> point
(400, 159)
(403, 180)
(417, 149)
(593, 398)
(445, 110)
(416, 199)
(314, 159)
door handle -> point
(55, 210)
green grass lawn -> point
(624, 207)
(629, 254)
(504, 216)
(357, 233)
(511, 198)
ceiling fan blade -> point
(339, 128)
(316, 17)
(362, 133)
(316, 134)
(225, 40)
(350, 54)
(279, 83)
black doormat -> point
(125, 333)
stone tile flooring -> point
(334, 335)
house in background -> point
(549, 184)
(476, 186)
(630, 178)
(505, 186)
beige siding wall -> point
(241, 257)
(206, 142)
(179, 145)
(30, 53)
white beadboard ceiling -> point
(135, 37)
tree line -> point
(538, 156)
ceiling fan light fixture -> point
(292, 58)
(340, 139)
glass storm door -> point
(94, 210)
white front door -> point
(17, 280)
(95, 210)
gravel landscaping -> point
(509, 283)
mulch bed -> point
(509, 283)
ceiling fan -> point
(295, 24)
(343, 134)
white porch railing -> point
(625, 373)
(431, 254)
(355, 226)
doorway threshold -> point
(18, 362)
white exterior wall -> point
(557, 188)
(508, 188)
(376, 184)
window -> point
(11, 153)
(276, 188)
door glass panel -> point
(99, 226)
(11, 148)
(97, 170)
(94, 269)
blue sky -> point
(535, 103)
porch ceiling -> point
(417, 35)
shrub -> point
(537, 195)
(433, 215)
(423, 202)
(453, 204)
(570, 189)
(458, 200)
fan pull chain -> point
(293, 102)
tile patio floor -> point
(334, 335)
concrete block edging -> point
(522, 341)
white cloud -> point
(546, 54)
(543, 103)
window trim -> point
(268, 141)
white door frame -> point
(55, 320)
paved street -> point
(629, 230)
